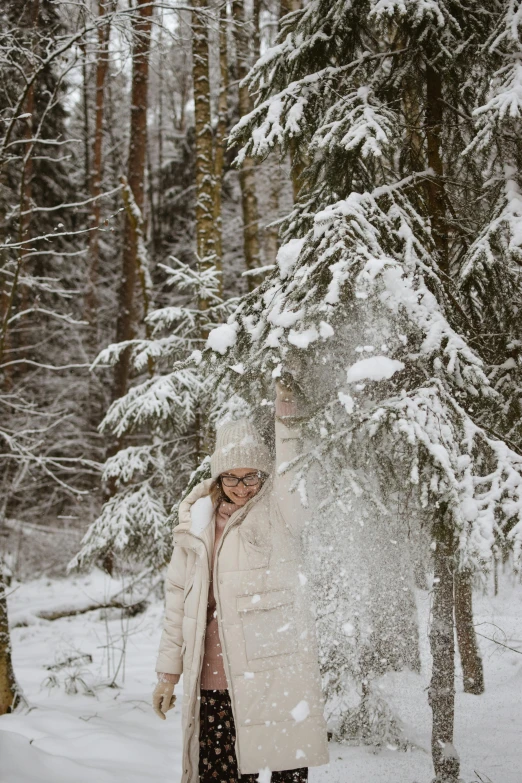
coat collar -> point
(196, 514)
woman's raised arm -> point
(288, 419)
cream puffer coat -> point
(266, 631)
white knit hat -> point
(239, 445)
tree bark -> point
(9, 691)
(95, 177)
(135, 217)
(256, 28)
(298, 161)
(126, 322)
(86, 123)
(125, 327)
(27, 167)
(272, 232)
(158, 234)
(247, 177)
(472, 668)
(413, 122)
(208, 244)
(441, 692)
(435, 191)
(205, 185)
(221, 132)
(288, 6)
(442, 636)
(298, 164)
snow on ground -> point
(110, 734)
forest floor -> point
(104, 734)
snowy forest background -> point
(197, 198)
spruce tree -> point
(374, 293)
(158, 419)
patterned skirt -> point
(217, 736)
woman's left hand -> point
(163, 698)
(284, 391)
(285, 402)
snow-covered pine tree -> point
(157, 418)
(489, 272)
(161, 424)
(403, 424)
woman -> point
(236, 620)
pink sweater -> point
(213, 671)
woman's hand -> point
(285, 403)
(285, 388)
(163, 698)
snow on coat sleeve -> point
(169, 658)
(290, 488)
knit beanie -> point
(239, 445)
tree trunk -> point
(412, 122)
(256, 28)
(125, 327)
(9, 692)
(135, 217)
(298, 161)
(442, 636)
(472, 669)
(158, 233)
(272, 232)
(288, 6)
(205, 186)
(221, 132)
(208, 239)
(435, 191)
(86, 123)
(441, 692)
(27, 166)
(247, 177)
(95, 178)
(298, 164)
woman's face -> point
(240, 494)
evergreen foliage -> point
(371, 252)
(40, 311)
(159, 416)
(386, 288)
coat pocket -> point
(269, 624)
(258, 556)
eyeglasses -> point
(250, 480)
